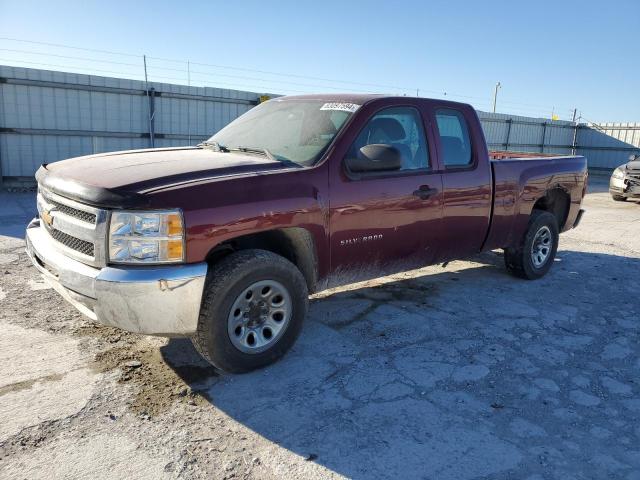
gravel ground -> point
(447, 373)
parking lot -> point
(446, 373)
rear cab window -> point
(453, 133)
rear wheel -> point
(533, 258)
(619, 198)
(252, 311)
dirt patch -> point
(161, 379)
(158, 374)
(162, 371)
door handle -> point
(424, 192)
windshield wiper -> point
(268, 154)
(216, 146)
(261, 151)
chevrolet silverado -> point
(223, 242)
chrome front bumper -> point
(153, 300)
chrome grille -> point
(79, 230)
(73, 212)
(82, 246)
(633, 176)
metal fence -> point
(605, 145)
(47, 116)
(524, 134)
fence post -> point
(574, 143)
(152, 116)
(544, 134)
(150, 98)
(506, 142)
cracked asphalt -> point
(441, 373)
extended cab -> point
(224, 242)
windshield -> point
(291, 131)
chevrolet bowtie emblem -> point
(47, 217)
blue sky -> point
(547, 55)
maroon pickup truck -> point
(224, 242)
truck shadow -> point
(423, 377)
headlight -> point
(618, 173)
(146, 237)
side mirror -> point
(633, 157)
(376, 157)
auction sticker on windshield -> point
(343, 107)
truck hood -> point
(635, 165)
(120, 179)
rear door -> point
(466, 178)
(381, 222)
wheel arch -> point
(556, 200)
(296, 244)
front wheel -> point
(619, 198)
(252, 311)
(533, 258)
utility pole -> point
(495, 96)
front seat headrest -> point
(391, 128)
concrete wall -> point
(47, 116)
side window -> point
(454, 138)
(399, 127)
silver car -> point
(625, 180)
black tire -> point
(519, 260)
(226, 280)
(619, 198)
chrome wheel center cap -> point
(259, 316)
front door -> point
(386, 221)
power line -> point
(59, 45)
(266, 80)
(141, 75)
(72, 67)
(521, 106)
(243, 69)
(234, 85)
(85, 59)
(209, 74)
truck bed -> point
(507, 154)
(518, 182)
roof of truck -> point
(337, 97)
(359, 98)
